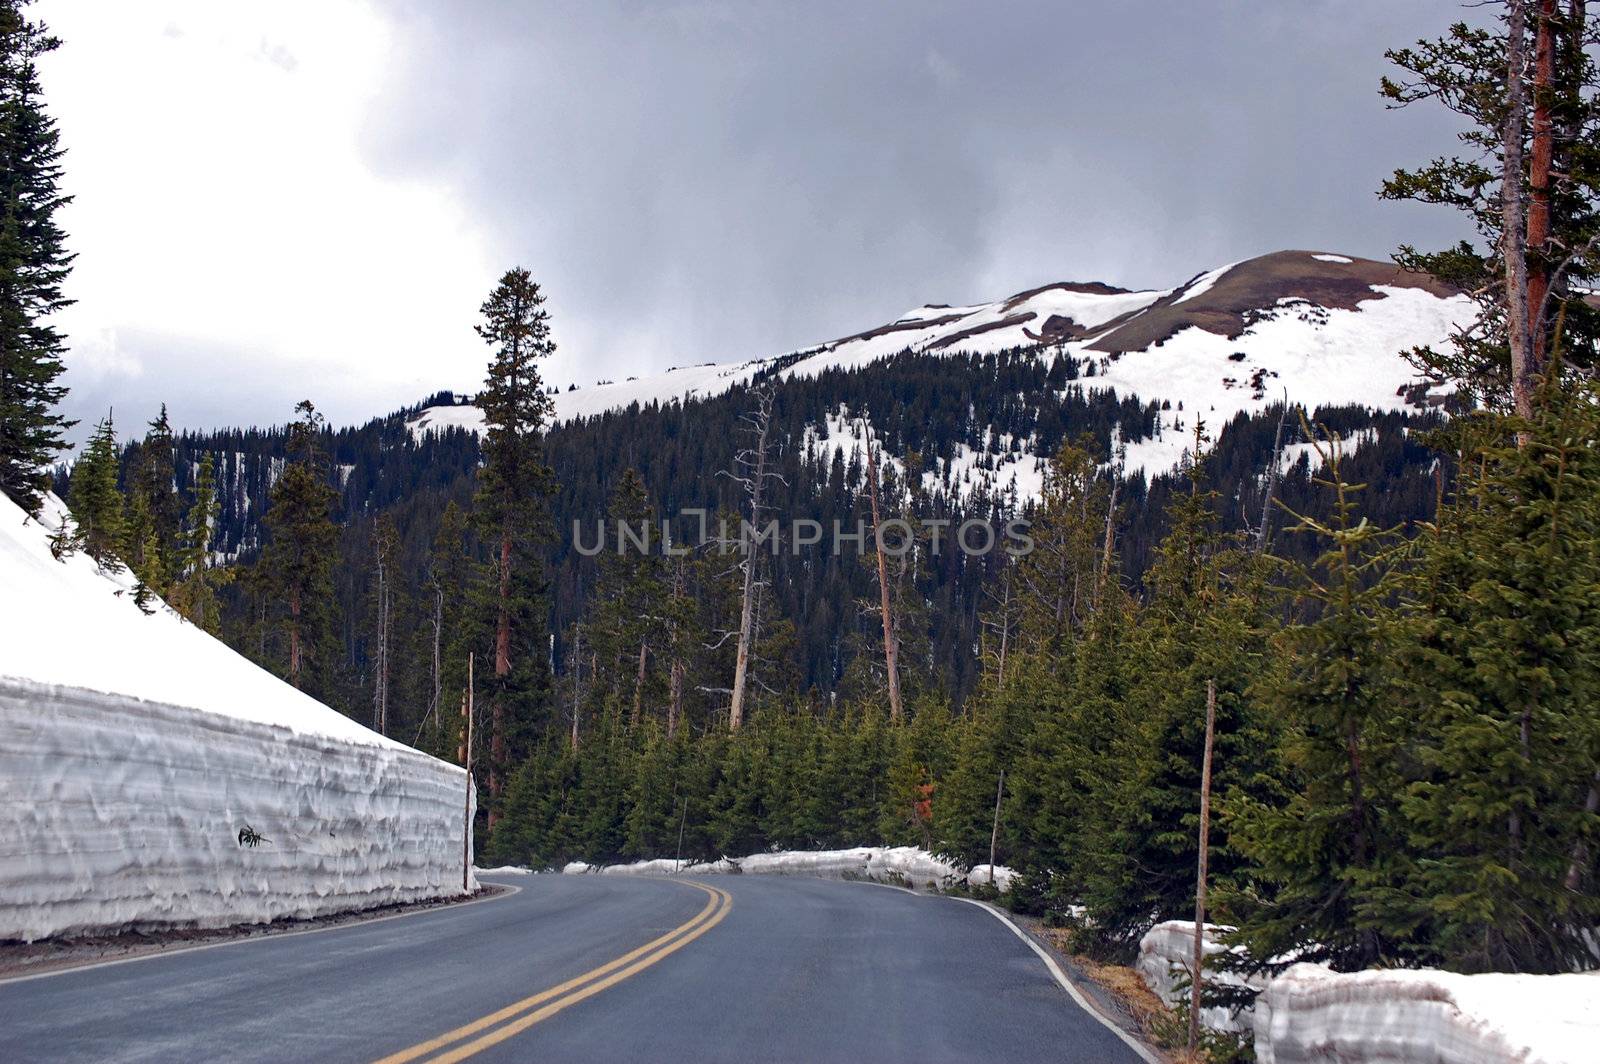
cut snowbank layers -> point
(903, 865)
(1313, 1014)
(134, 749)
(1166, 954)
(1310, 1013)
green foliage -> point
(1501, 665)
(95, 501)
(297, 562)
(197, 580)
(33, 264)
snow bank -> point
(904, 865)
(1166, 954)
(1001, 880)
(135, 749)
(1310, 1013)
(1313, 1014)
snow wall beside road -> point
(134, 749)
(119, 814)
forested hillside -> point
(920, 407)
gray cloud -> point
(708, 180)
(705, 180)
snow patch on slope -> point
(1202, 284)
(1321, 357)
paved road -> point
(586, 968)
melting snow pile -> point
(903, 865)
(1313, 1014)
(135, 750)
(1310, 1013)
(1166, 954)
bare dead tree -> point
(891, 638)
(751, 472)
(1274, 471)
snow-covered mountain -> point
(1323, 328)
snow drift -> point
(135, 749)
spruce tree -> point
(298, 559)
(514, 482)
(1324, 845)
(95, 500)
(1501, 664)
(33, 264)
(194, 592)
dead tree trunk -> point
(994, 833)
(756, 459)
(638, 686)
(1540, 165)
(466, 762)
(1195, 973)
(891, 640)
(1513, 235)
(1274, 471)
(577, 683)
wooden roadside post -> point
(466, 758)
(994, 834)
(1200, 878)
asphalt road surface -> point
(586, 968)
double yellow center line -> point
(517, 1017)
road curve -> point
(586, 968)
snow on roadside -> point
(1001, 879)
(900, 865)
(1310, 1013)
(1166, 954)
(137, 754)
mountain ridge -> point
(1319, 327)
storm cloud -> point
(705, 181)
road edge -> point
(354, 919)
(1145, 1053)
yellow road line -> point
(637, 960)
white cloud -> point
(222, 200)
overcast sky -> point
(312, 197)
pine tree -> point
(194, 592)
(95, 501)
(1501, 664)
(513, 484)
(1537, 213)
(33, 264)
(298, 559)
(385, 546)
(1323, 847)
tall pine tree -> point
(33, 264)
(514, 482)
